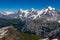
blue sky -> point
(14, 5)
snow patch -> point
(59, 21)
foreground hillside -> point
(12, 34)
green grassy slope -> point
(24, 37)
(29, 36)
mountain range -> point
(47, 13)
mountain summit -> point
(50, 8)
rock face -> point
(3, 32)
(9, 33)
(45, 29)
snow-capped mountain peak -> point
(21, 10)
(32, 9)
(7, 13)
(50, 8)
(33, 13)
